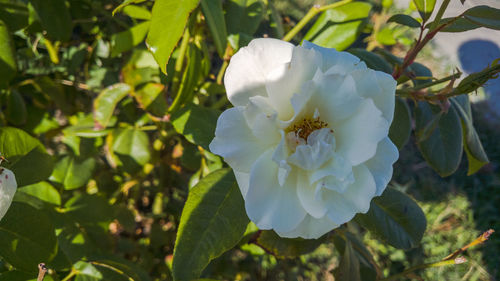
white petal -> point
(336, 175)
(358, 136)
(269, 205)
(381, 164)
(380, 87)
(356, 199)
(319, 149)
(235, 141)
(334, 61)
(287, 80)
(335, 98)
(314, 205)
(311, 228)
(8, 187)
(243, 180)
(247, 71)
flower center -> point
(306, 126)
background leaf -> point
(400, 129)
(212, 10)
(287, 247)
(105, 103)
(196, 124)
(8, 64)
(55, 18)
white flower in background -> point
(8, 187)
(307, 137)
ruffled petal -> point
(311, 228)
(342, 207)
(314, 205)
(269, 205)
(358, 136)
(248, 70)
(381, 164)
(318, 150)
(287, 80)
(378, 86)
(235, 141)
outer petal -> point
(378, 86)
(246, 74)
(356, 199)
(381, 164)
(311, 228)
(8, 187)
(334, 61)
(269, 205)
(235, 141)
(358, 136)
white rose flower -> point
(307, 137)
(8, 187)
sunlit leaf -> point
(105, 103)
(73, 172)
(126, 40)
(196, 124)
(425, 8)
(43, 191)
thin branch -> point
(42, 269)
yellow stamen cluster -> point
(308, 125)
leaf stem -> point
(424, 266)
(439, 15)
(310, 15)
(408, 91)
(72, 273)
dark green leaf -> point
(14, 15)
(43, 191)
(86, 208)
(189, 79)
(472, 144)
(478, 79)
(196, 123)
(458, 25)
(126, 40)
(425, 8)
(443, 148)
(73, 172)
(485, 16)
(213, 221)
(276, 22)
(244, 16)
(105, 103)
(348, 269)
(339, 27)
(27, 237)
(55, 18)
(15, 112)
(129, 148)
(422, 73)
(400, 129)
(372, 60)
(167, 25)
(368, 268)
(27, 157)
(212, 10)
(287, 247)
(395, 219)
(404, 20)
(8, 64)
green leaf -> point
(27, 157)
(55, 18)
(404, 20)
(395, 219)
(196, 124)
(485, 16)
(87, 269)
(43, 191)
(14, 15)
(91, 209)
(425, 8)
(368, 268)
(126, 40)
(137, 12)
(348, 269)
(27, 237)
(73, 172)
(129, 149)
(472, 144)
(386, 37)
(213, 221)
(478, 79)
(443, 148)
(458, 25)
(244, 16)
(400, 129)
(276, 22)
(422, 73)
(125, 3)
(287, 247)
(8, 64)
(152, 99)
(372, 60)
(339, 27)
(212, 10)
(167, 25)
(105, 103)
(15, 112)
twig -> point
(481, 239)
(42, 269)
